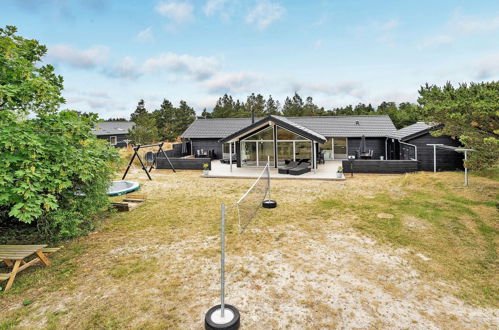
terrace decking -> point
(325, 171)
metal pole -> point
(465, 169)
(230, 155)
(434, 158)
(222, 261)
(268, 173)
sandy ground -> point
(279, 277)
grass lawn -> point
(396, 251)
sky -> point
(114, 53)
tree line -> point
(168, 122)
(404, 114)
(164, 124)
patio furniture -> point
(302, 168)
(14, 256)
(285, 169)
(367, 155)
(227, 160)
(321, 157)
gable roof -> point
(113, 127)
(346, 126)
(281, 121)
(217, 128)
(323, 126)
(414, 130)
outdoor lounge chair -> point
(285, 169)
(303, 167)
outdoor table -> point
(14, 255)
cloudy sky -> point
(113, 53)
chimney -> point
(252, 116)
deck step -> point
(4, 277)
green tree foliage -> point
(293, 107)
(139, 111)
(255, 103)
(172, 121)
(206, 114)
(470, 112)
(145, 130)
(272, 107)
(24, 86)
(53, 170)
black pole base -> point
(269, 204)
(231, 320)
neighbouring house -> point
(251, 142)
(115, 132)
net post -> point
(222, 261)
(268, 173)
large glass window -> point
(340, 148)
(248, 153)
(265, 150)
(284, 152)
(303, 150)
(265, 134)
(284, 134)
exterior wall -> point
(376, 144)
(447, 160)
(207, 144)
(380, 166)
(119, 139)
(183, 163)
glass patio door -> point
(327, 149)
(340, 148)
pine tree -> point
(141, 109)
(272, 107)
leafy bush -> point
(53, 171)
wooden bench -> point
(51, 250)
(14, 255)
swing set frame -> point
(136, 154)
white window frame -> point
(115, 140)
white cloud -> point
(460, 26)
(125, 69)
(341, 88)
(145, 35)
(381, 31)
(318, 44)
(389, 25)
(175, 10)
(88, 58)
(264, 14)
(488, 67)
(200, 67)
(437, 40)
(213, 6)
(233, 82)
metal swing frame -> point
(136, 154)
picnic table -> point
(14, 256)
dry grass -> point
(322, 259)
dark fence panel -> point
(183, 163)
(380, 166)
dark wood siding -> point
(206, 145)
(447, 160)
(183, 163)
(380, 166)
(376, 144)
